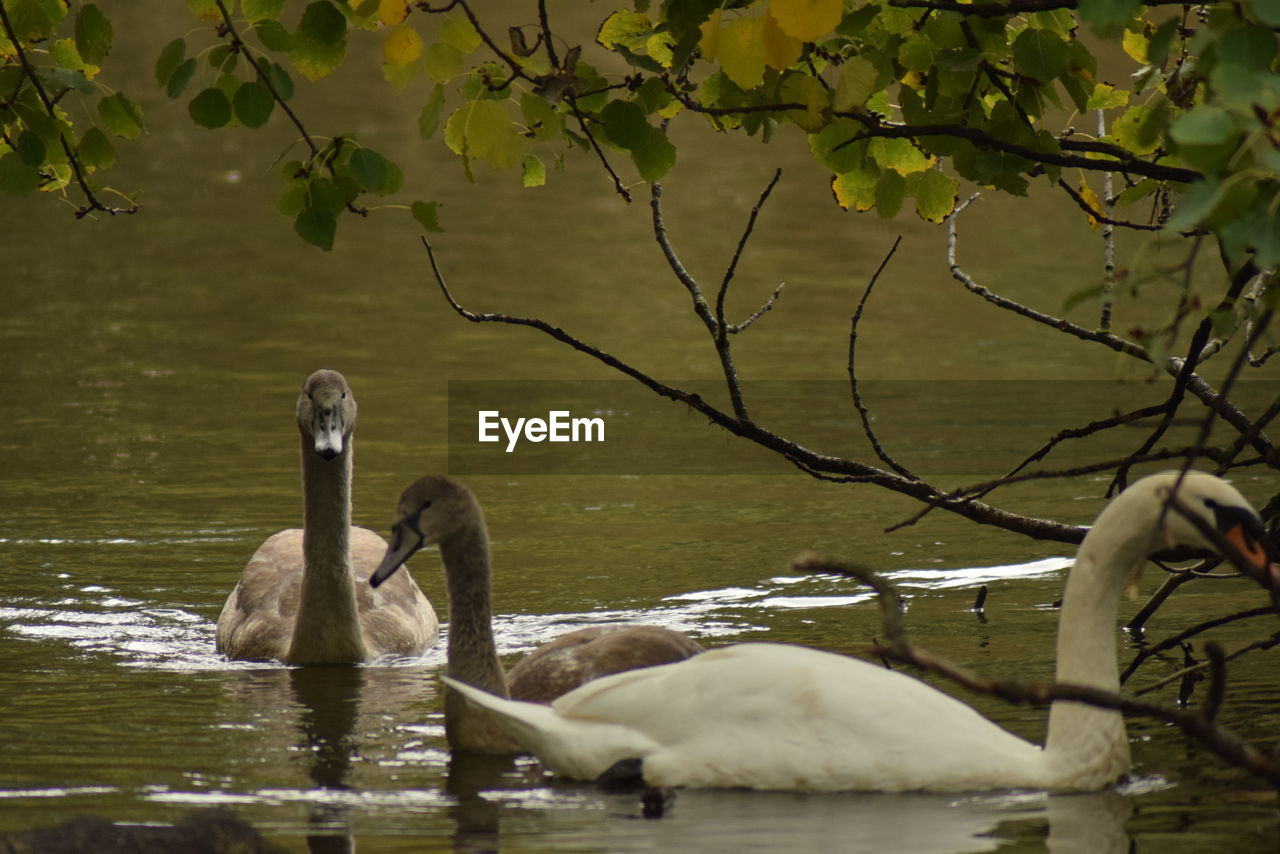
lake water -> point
(151, 368)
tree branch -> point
(92, 203)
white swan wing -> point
(772, 716)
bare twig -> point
(854, 390)
(812, 462)
(1104, 219)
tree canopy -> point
(1147, 115)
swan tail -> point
(572, 747)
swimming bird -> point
(442, 511)
(773, 716)
(302, 598)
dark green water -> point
(151, 366)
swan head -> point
(431, 511)
(327, 412)
(1200, 511)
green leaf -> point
(261, 10)
(370, 169)
(1108, 18)
(741, 52)
(624, 27)
(93, 34)
(427, 215)
(857, 83)
(30, 148)
(1196, 203)
(170, 59)
(316, 226)
(121, 116)
(253, 104)
(34, 20)
(534, 171)
(95, 150)
(1205, 125)
(1253, 48)
(325, 194)
(17, 178)
(180, 78)
(429, 118)
(890, 193)
(321, 40)
(280, 80)
(1268, 11)
(917, 53)
(899, 155)
(541, 118)
(1041, 54)
(274, 36)
(210, 108)
(482, 130)
(441, 62)
(625, 124)
(64, 78)
(935, 195)
(459, 34)
(223, 58)
(655, 157)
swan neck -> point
(327, 627)
(1086, 742)
(473, 654)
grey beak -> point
(327, 429)
(404, 542)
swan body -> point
(443, 511)
(773, 716)
(301, 598)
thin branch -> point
(722, 328)
(854, 389)
(1102, 217)
(618, 186)
(1256, 646)
(714, 323)
(1107, 339)
(735, 328)
(807, 460)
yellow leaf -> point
(710, 35)
(853, 193)
(402, 47)
(780, 50)
(660, 48)
(1135, 44)
(741, 52)
(807, 20)
(392, 12)
(1091, 198)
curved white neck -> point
(1085, 740)
(327, 625)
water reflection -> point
(330, 701)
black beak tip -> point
(328, 453)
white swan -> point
(301, 598)
(770, 716)
(443, 511)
